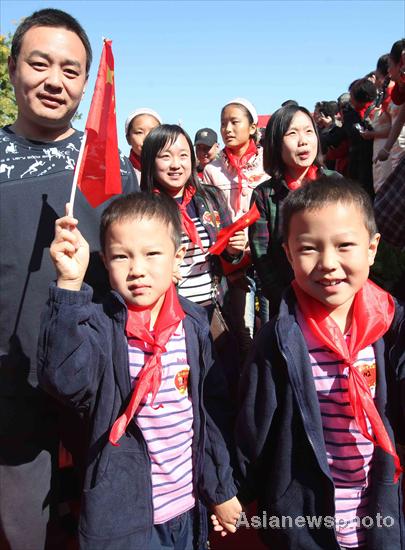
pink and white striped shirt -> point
(349, 453)
(168, 429)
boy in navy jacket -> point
(140, 366)
(322, 395)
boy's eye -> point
(118, 257)
(154, 253)
(346, 245)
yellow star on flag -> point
(110, 76)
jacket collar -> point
(294, 349)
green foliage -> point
(8, 105)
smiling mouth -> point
(332, 282)
(50, 100)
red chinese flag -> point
(225, 234)
(99, 176)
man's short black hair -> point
(50, 17)
(143, 205)
(363, 90)
(328, 190)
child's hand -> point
(236, 243)
(226, 515)
(70, 253)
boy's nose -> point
(136, 269)
(327, 261)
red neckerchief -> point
(310, 175)
(373, 311)
(239, 163)
(361, 111)
(135, 160)
(188, 224)
(150, 377)
(387, 97)
(227, 232)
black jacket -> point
(83, 361)
(280, 445)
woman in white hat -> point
(137, 127)
(237, 171)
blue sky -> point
(186, 59)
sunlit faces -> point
(173, 166)
(206, 153)
(49, 78)
(236, 129)
(331, 251)
(300, 144)
(140, 257)
(139, 128)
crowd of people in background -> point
(249, 424)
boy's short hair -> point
(50, 17)
(328, 190)
(139, 206)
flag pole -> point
(76, 174)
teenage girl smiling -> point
(291, 155)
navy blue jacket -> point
(280, 445)
(83, 361)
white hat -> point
(246, 103)
(142, 111)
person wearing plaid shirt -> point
(389, 206)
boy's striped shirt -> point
(349, 453)
(168, 429)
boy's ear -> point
(287, 253)
(179, 255)
(372, 248)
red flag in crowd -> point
(227, 232)
(99, 175)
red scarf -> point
(135, 160)
(239, 163)
(229, 231)
(188, 225)
(150, 377)
(293, 184)
(361, 111)
(373, 311)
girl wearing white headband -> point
(137, 127)
(237, 171)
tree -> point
(8, 105)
